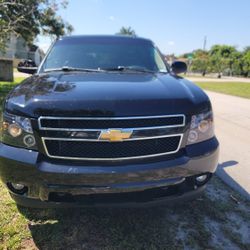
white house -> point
(17, 48)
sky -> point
(176, 26)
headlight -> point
(17, 131)
(201, 128)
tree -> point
(28, 18)
(222, 58)
(200, 61)
(237, 63)
(246, 49)
(246, 63)
(126, 31)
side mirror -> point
(27, 70)
(27, 66)
(179, 67)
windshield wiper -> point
(66, 68)
(129, 68)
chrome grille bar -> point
(109, 118)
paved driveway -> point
(19, 74)
(232, 126)
(215, 79)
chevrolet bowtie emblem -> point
(115, 135)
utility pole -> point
(204, 43)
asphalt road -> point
(232, 127)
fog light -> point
(17, 186)
(201, 178)
(14, 130)
(29, 140)
(193, 136)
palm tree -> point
(126, 31)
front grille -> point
(48, 123)
(78, 138)
(112, 150)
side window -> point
(160, 64)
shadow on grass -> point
(187, 225)
(100, 228)
(150, 228)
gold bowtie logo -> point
(115, 135)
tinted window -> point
(107, 53)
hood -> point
(105, 94)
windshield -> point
(104, 54)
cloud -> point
(171, 43)
(112, 18)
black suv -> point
(105, 121)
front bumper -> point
(64, 183)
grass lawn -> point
(16, 81)
(5, 88)
(241, 89)
(215, 221)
